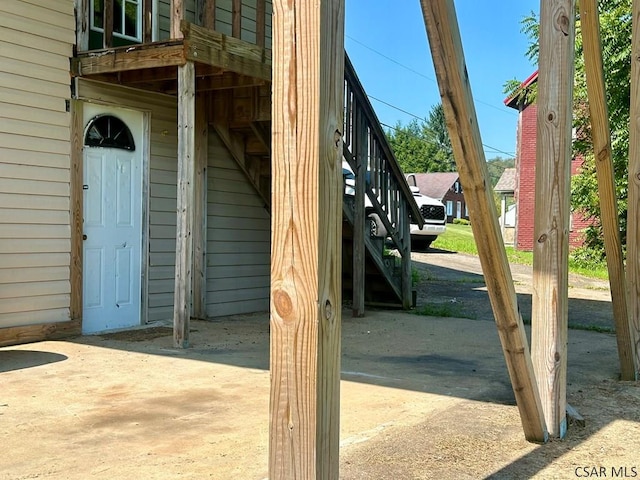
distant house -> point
(444, 186)
(525, 175)
(506, 188)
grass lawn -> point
(459, 238)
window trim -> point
(136, 39)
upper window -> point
(127, 19)
(109, 132)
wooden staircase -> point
(376, 269)
(383, 265)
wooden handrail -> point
(352, 83)
(380, 178)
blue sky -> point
(494, 51)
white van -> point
(432, 210)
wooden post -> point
(261, 12)
(200, 208)
(107, 18)
(177, 15)
(308, 81)
(82, 25)
(601, 136)
(633, 211)
(552, 213)
(455, 90)
(407, 285)
(147, 21)
(75, 268)
(185, 202)
(208, 13)
(236, 19)
(360, 143)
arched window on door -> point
(108, 131)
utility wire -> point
(392, 60)
(431, 142)
(488, 147)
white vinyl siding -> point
(36, 41)
(238, 239)
(162, 185)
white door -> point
(112, 211)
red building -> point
(525, 178)
(444, 186)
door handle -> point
(84, 237)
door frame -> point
(77, 207)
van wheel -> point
(376, 227)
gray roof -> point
(507, 182)
(437, 184)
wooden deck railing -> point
(205, 17)
(378, 174)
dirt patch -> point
(139, 335)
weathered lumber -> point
(176, 17)
(40, 332)
(455, 90)
(552, 212)
(76, 201)
(185, 202)
(308, 81)
(601, 137)
(214, 48)
(107, 16)
(633, 206)
(201, 136)
(361, 152)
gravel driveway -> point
(456, 280)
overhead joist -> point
(232, 54)
(121, 59)
(601, 137)
(455, 90)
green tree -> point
(615, 33)
(439, 150)
(423, 146)
(497, 166)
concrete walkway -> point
(422, 397)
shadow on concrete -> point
(19, 359)
(446, 356)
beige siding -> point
(238, 239)
(36, 41)
(162, 185)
